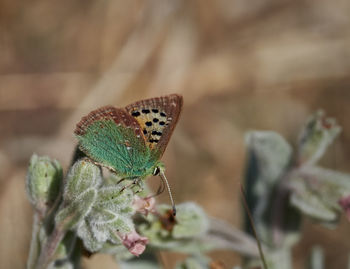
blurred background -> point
(240, 65)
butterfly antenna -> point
(261, 253)
(162, 176)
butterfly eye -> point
(156, 171)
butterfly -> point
(130, 141)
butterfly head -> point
(158, 169)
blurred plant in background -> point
(85, 212)
(284, 186)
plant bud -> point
(318, 133)
(44, 179)
(80, 193)
(82, 176)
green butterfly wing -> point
(113, 139)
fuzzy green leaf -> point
(184, 235)
(82, 176)
(110, 215)
(191, 221)
(269, 156)
(73, 213)
(317, 192)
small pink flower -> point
(144, 205)
(345, 204)
(135, 243)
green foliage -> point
(191, 221)
(70, 217)
(269, 156)
(283, 187)
(317, 191)
(44, 178)
(182, 234)
(83, 176)
(79, 194)
(111, 214)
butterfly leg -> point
(139, 184)
(121, 180)
(126, 186)
(131, 185)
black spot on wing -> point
(135, 114)
(155, 120)
(162, 123)
(155, 110)
(148, 123)
(156, 133)
(145, 111)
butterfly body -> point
(130, 141)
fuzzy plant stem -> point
(281, 259)
(316, 258)
(49, 248)
(245, 204)
(38, 222)
(35, 242)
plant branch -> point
(49, 249)
(35, 242)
